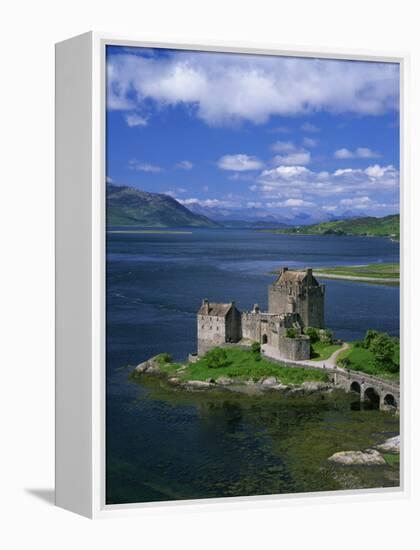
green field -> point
(242, 365)
(377, 271)
(361, 359)
(323, 350)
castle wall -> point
(295, 349)
(251, 326)
(233, 325)
(211, 332)
(307, 301)
(315, 307)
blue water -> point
(155, 284)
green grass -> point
(392, 459)
(245, 365)
(362, 360)
(378, 271)
(388, 226)
(323, 350)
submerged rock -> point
(391, 445)
(369, 457)
(198, 384)
(315, 386)
(225, 381)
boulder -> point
(270, 381)
(314, 386)
(224, 381)
(150, 366)
(369, 457)
(391, 445)
(198, 384)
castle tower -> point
(298, 292)
(217, 324)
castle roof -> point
(215, 309)
(290, 276)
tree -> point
(217, 358)
(312, 333)
(369, 337)
(382, 348)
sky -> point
(283, 134)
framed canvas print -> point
(228, 274)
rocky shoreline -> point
(270, 383)
(368, 457)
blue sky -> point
(283, 134)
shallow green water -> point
(229, 444)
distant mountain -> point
(129, 206)
(389, 226)
(230, 217)
(222, 214)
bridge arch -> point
(355, 387)
(389, 399)
(371, 395)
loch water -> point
(167, 445)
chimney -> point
(206, 305)
(309, 272)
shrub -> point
(216, 358)
(164, 358)
(326, 336)
(312, 333)
(256, 347)
(291, 332)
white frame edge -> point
(80, 278)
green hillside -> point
(389, 226)
(129, 206)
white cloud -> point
(134, 120)
(309, 127)
(109, 179)
(184, 165)
(144, 166)
(357, 202)
(283, 146)
(299, 157)
(226, 88)
(343, 154)
(348, 184)
(291, 203)
(310, 142)
(210, 203)
(239, 163)
(360, 152)
(175, 192)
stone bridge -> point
(369, 387)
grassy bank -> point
(323, 350)
(376, 271)
(369, 226)
(361, 359)
(241, 365)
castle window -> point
(202, 326)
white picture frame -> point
(80, 274)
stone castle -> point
(295, 301)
